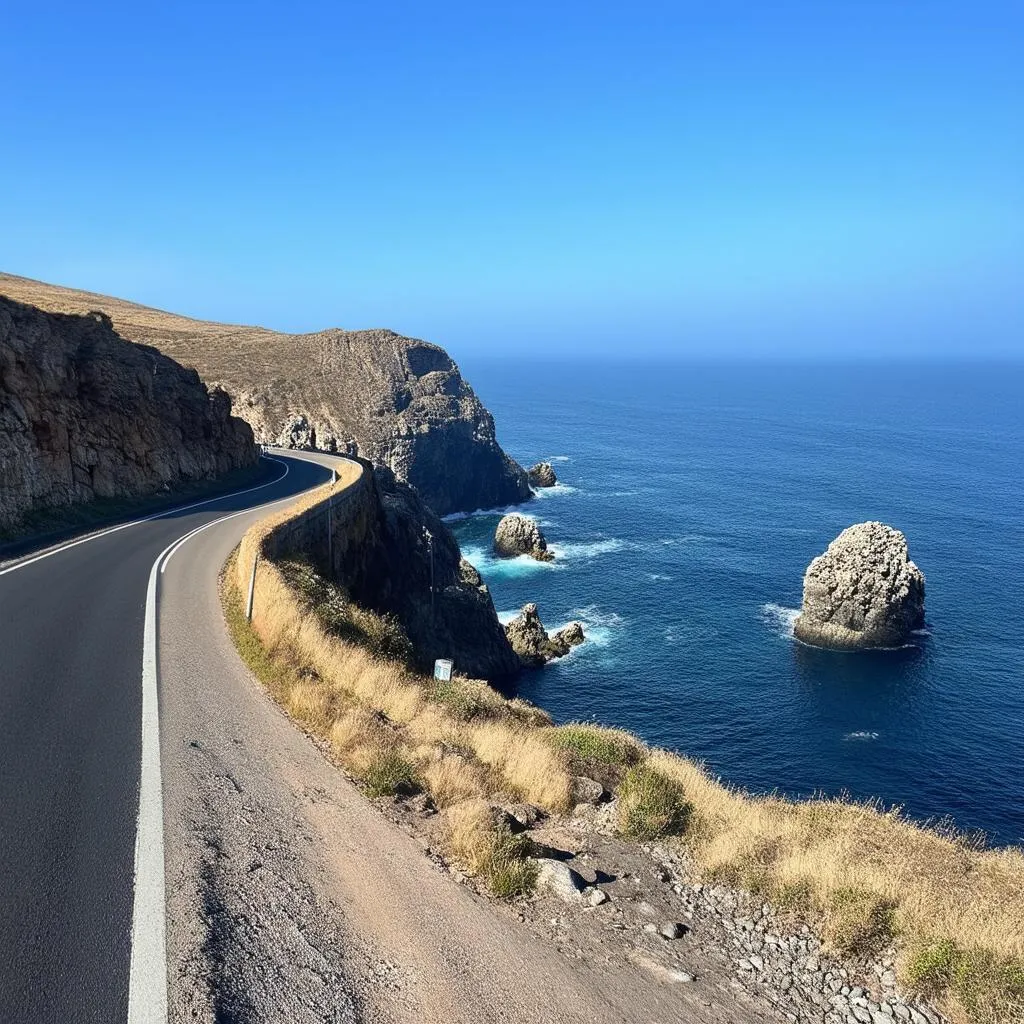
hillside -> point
(397, 401)
(86, 415)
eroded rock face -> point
(519, 535)
(85, 414)
(542, 475)
(862, 592)
(405, 561)
(397, 401)
(532, 642)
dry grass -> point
(866, 877)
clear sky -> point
(695, 177)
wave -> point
(458, 517)
(586, 549)
(659, 577)
(489, 565)
(599, 624)
(558, 458)
(780, 619)
(861, 736)
(553, 492)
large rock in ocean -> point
(863, 592)
(534, 644)
(520, 535)
(542, 475)
(399, 402)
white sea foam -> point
(779, 619)
(506, 617)
(861, 736)
(558, 458)
(490, 566)
(658, 576)
(554, 492)
(599, 624)
(586, 549)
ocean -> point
(692, 498)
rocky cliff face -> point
(397, 401)
(862, 592)
(392, 554)
(85, 414)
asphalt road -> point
(71, 658)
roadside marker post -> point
(443, 670)
(252, 588)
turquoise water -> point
(692, 499)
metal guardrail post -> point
(252, 588)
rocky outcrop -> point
(532, 642)
(85, 414)
(392, 554)
(397, 401)
(520, 535)
(862, 592)
(542, 475)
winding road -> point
(72, 645)
(173, 849)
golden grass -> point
(866, 877)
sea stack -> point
(519, 535)
(863, 592)
(534, 644)
(542, 475)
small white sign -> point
(443, 670)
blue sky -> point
(695, 178)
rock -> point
(85, 414)
(520, 535)
(586, 791)
(671, 930)
(526, 814)
(542, 475)
(559, 879)
(533, 644)
(567, 637)
(863, 592)
(399, 402)
(596, 897)
(393, 555)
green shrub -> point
(459, 700)
(507, 871)
(650, 804)
(859, 922)
(390, 773)
(986, 987)
(601, 754)
(381, 634)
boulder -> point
(559, 879)
(863, 592)
(532, 642)
(586, 790)
(519, 535)
(542, 475)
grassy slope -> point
(866, 879)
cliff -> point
(393, 555)
(397, 401)
(85, 414)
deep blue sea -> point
(692, 498)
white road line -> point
(147, 978)
(135, 522)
